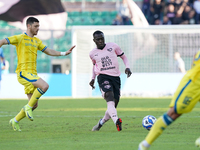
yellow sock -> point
(20, 115)
(34, 98)
(158, 128)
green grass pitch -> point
(65, 124)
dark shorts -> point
(109, 83)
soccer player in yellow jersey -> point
(183, 101)
(34, 86)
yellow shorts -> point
(186, 95)
(26, 79)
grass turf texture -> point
(66, 124)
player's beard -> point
(34, 32)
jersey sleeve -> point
(118, 50)
(14, 40)
(41, 46)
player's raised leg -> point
(41, 88)
(21, 114)
(183, 101)
(157, 129)
(104, 120)
(109, 96)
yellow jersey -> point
(194, 72)
(26, 48)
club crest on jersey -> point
(107, 86)
(110, 49)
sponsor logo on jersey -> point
(29, 44)
(110, 49)
(102, 69)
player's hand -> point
(70, 50)
(128, 72)
(92, 84)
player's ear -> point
(29, 25)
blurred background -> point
(150, 32)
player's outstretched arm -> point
(52, 52)
(3, 42)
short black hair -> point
(31, 20)
(97, 32)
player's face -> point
(99, 40)
(34, 28)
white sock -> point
(115, 121)
(145, 143)
(101, 122)
(15, 120)
(29, 106)
(112, 110)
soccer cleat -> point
(28, 112)
(142, 147)
(14, 124)
(197, 142)
(97, 127)
(119, 124)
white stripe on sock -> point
(15, 120)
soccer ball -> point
(197, 142)
(148, 121)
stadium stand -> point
(91, 18)
(95, 12)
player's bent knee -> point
(109, 96)
(45, 87)
(173, 114)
